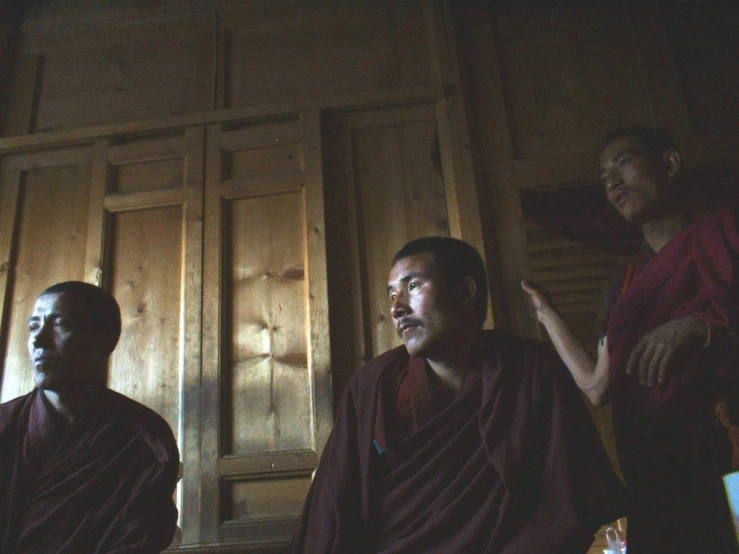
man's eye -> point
(393, 296)
(412, 286)
(33, 327)
(624, 162)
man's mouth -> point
(620, 195)
(42, 359)
(406, 325)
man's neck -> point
(70, 405)
(450, 370)
(659, 232)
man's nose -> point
(399, 307)
(40, 336)
(611, 180)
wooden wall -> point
(546, 81)
(239, 175)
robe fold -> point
(671, 447)
(512, 465)
(103, 485)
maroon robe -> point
(103, 485)
(512, 465)
(671, 447)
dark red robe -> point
(512, 465)
(104, 485)
(671, 447)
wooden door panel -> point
(148, 251)
(44, 206)
(267, 408)
(269, 363)
(147, 282)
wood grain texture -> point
(122, 74)
(265, 499)
(346, 288)
(51, 240)
(97, 253)
(556, 65)
(190, 439)
(22, 104)
(401, 196)
(319, 344)
(10, 185)
(147, 282)
(323, 50)
(212, 328)
(270, 379)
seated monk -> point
(83, 469)
(462, 440)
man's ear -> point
(673, 163)
(468, 291)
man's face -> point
(422, 306)
(635, 183)
(58, 342)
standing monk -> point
(665, 358)
(462, 440)
(83, 469)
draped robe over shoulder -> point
(104, 485)
(512, 465)
(671, 447)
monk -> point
(461, 440)
(83, 469)
(667, 357)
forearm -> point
(588, 376)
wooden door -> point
(266, 378)
(148, 253)
(390, 178)
(124, 213)
(44, 207)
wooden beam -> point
(10, 187)
(146, 199)
(395, 97)
(151, 150)
(97, 224)
(261, 135)
(210, 391)
(291, 462)
(319, 353)
(192, 321)
(233, 189)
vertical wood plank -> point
(22, 106)
(211, 351)
(95, 258)
(346, 289)
(459, 177)
(145, 276)
(10, 184)
(500, 203)
(192, 331)
(318, 340)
